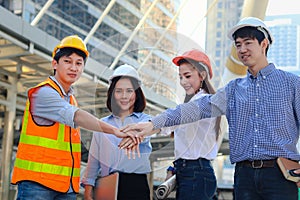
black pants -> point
(133, 187)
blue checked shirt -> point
(263, 114)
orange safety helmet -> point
(73, 41)
(198, 56)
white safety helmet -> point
(126, 70)
(254, 22)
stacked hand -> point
(141, 129)
(134, 135)
(131, 147)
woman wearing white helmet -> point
(263, 114)
(126, 101)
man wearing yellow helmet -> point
(47, 164)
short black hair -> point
(67, 51)
(251, 32)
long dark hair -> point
(205, 85)
(140, 101)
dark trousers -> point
(133, 187)
(195, 179)
(267, 183)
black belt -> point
(191, 161)
(256, 164)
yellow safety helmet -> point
(73, 41)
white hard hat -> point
(253, 22)
(126, 70)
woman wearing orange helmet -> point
(195, 143)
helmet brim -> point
(234, 29)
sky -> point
(279, 7)
(192, 19)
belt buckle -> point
(257, 166)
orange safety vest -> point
(51, 154)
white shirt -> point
(195, 140)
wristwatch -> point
(171, 169)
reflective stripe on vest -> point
(46, 142)
(46, 168)
(49, 155)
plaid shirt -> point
(263, 114)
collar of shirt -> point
(71, 92)
(130, 119)
(199, 94)
(263, 73)
(137, 115)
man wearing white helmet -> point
(126, 101)
(263, 113)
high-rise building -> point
(285, 51)
(221, 16)
(118, 26)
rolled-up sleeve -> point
(49, 106)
